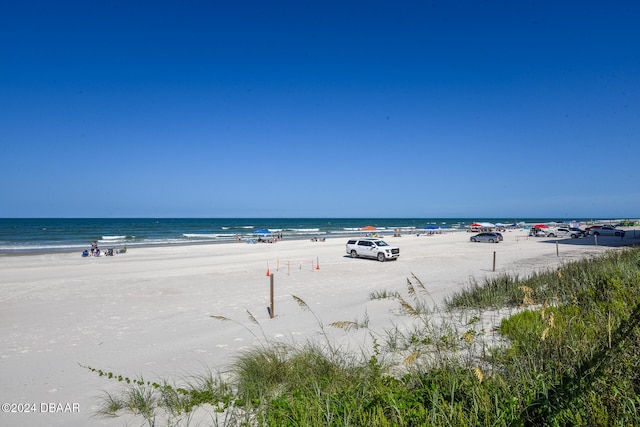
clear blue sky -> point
(320, 109)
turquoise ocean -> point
(42, 235)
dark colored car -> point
(487, 237)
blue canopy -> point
(262, 231)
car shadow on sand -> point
(631, 238)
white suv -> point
(372, 248)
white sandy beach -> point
(147, 312)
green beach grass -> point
(565, 351)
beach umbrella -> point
(430, 227)
(540, 226)
(369, 227)
(475, 224)
(262, 231)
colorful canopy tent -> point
(540, 226)
(369, 228)
(261, 231)
(483, 224)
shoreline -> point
(346, 235)
(44, 251)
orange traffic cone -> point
(317, 264)
(268, 272)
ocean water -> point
(36, 235)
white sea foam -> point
(208, 236)
(28, 248)
(114, 237)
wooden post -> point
(596, 239)
(557, 250)
(494, 260)
(271, 312)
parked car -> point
(607, 230)
(578, 230)
(372, 248)
(564, 232)
(486, 237)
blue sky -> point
(320, 109)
